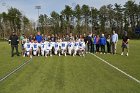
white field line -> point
(12, 72)
(128, 75)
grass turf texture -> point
(71, 74)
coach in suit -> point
(13, 40)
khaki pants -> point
(114, 47)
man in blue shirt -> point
(114, 40)
(38, 37)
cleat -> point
(122, 53)
(30, 56)
(127, 54)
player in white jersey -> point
(49, 46)
(76, 47)
(57, 47)
(35, 48)
(27, 49)
(64, 48)
(43, 48)
(82, 48)
(70, 47)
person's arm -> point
(127, 40)
(105, 41)
(17, 40)
(116, 38)
(10, 39)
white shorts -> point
(48, 51)
(27, 53)
(34, 52)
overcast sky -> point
(27, 7)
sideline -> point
(126, 74)
(12, 72)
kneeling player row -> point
(58, 48)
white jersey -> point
(35, 46)
(43, 46)
(76, 45)
(57, 45)
(63, 45)
(49, 45)
(82, 45)
(52, 44)
(70, 45)
(28, 46)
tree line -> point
(81, 19)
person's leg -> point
(107, 47)
(113, 48)
(88, 48)
(92, 48)
(12, 50)
(101, 49)
(127, 49)
(30, 53)
(96, 48)
(58, 51)
(104, 49)
(38, 51)
(47, 52)
(55, 52)
(16, 46)
(24, 50)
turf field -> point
(71, 74)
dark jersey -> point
(125, 39)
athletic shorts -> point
(125, 46)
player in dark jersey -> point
(125, 40)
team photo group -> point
(40, 45)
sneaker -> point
(127, 54)
(122, 53)
(23, 55)
(30, 56)
(83, 55)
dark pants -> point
(93, 49)
(97, 47)
(103, 48)
(12, 52)
(89, 48)
(108, 47)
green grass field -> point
(71, 74)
